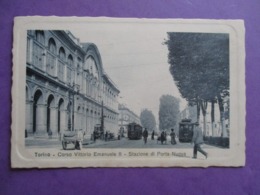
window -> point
(78, 65)
(52, 46)
(62, 57)
(50, 64)
(61, 71)
(62, 54)
(28, 50)
(37, 56)
(91, 65)
(70, 61)
(50, 61)
(39, 36)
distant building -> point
(126, 116)
(66, 86)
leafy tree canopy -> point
(199, 64)
(148, 120)
(169, 112)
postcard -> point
(127, 92)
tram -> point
(134, 131)
(186, 130)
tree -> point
(148, 120)
(169, 112)
(199, 64)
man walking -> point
(197, 139)
(145, 135)
(173, 141)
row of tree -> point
(199, 64)
(169, 114)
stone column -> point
(91, 121)
(63, 121)
(29, 117)
(88, 123)
(65, 73)
(67, 118)
(84, 85)
(29, 51)
(44, 60)
(84, 120)
(41, 119)
(76, 120)
(56, 68)
(79, 120)
(54, 120)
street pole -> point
(69, 108)
(102, 117)
(73, 102)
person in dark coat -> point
(173, 141)
(153, 135)
(94, 136)
(106, 136)
(162, 137)
(145, 135)
(197, 139)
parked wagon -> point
(72, 137)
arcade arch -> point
(38, 124)
(61, 115)
(50, 113)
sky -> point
(135, 58)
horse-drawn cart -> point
(73, 137)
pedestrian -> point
(106, 136)
(173, 141)
(94, 136)
(165, 136)
(153, 135)
(145, 135)
(162, 137)
(197, 139)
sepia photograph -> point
(128, 92)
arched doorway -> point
(50, 105)
(60, 112)
(37, 99)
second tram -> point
(134, 131)
(186, 130)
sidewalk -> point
(55, 141)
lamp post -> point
(71, 123)
(73, 107)
(102, 116)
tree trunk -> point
(222, 117)
(213, 117)
(198, 111)
(204, 105)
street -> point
(122, 143)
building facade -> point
(126, 116)
(66, 86)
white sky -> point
(135, 59)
